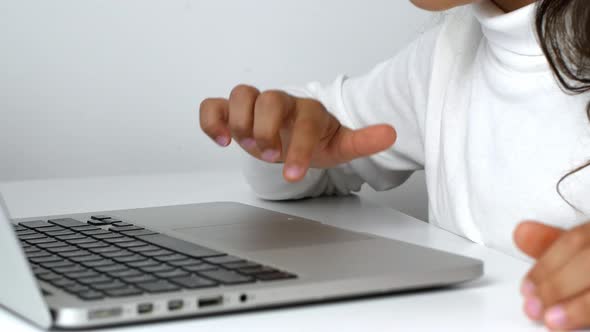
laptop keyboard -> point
(107, 257)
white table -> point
(489, 304)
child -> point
(480, 103)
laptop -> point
(114, 267)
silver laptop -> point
(112, 267)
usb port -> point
(175, 305)
(145, 308)
(209, 301)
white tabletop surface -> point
(489, 304)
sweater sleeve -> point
(394, 92)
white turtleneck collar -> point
(514, 31)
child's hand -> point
(557, 288)
(276, 127)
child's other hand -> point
(276, 127)
(557, 288)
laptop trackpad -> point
(265, 235)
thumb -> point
(351, 144)
(534, 238)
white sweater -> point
(476, 106)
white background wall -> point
(111, 87)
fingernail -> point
(293, 172)
(528, 288)
(556, 317)
(533, 307)
(248, 143)
(270, 155)
(222, 141)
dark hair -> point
(563, 27)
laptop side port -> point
(145, 308)
(206, 302)
(174, 305)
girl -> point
(491, 103)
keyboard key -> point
(156, 268)
(172, 257)
(125, 228)
(147, 247)
(96, 280)
(223, 259)
(98, 222)
(193, 282)
(171, 274)
(35, 224)
(77, 288)
(117, 240)
(26, 231)
(183, 247)
(135, 233)
(77, 253)
(109, 269)
(110, 235)
(125, 273)
(36, 254)
(122, 292)
(115, 254)
(185, 262)
(240, 265)
(102, 250)
(131, 244)
(200, 267)
(69, 269)
(142, 278)
(156, 253)
(82, 240)
(62, 248)
(62, 282)
(31, 249)
(160, 286)
(86, 258)
(50, 229)
(74, 236)
(87, 273)
(58, 233)
(120, 223)
(85, 228)
(98, 262)
(62, 263)
(42, 240)
(38, 269)
(32, 236)
(45, 259)
(139, 264)
(275, 276)
(18, 228)
(100, 217)
(49, 276)
(51, 245)
(93, 245)
(66, 222)
(95, 232)
(131, 258)
(257, 270)
(226, 276)
(90, 295)
(109, 285)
